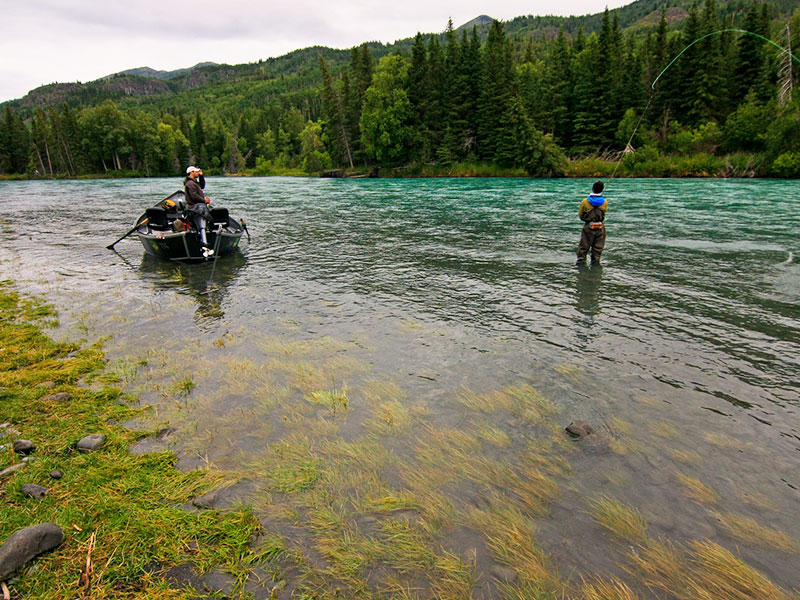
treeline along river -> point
(435, 337)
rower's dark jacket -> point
(593, 209)
(194, 190)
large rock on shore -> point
(24, 447)
(92, 442)
(27, 544)
(57, 397)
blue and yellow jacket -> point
(593, 209)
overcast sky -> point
(46, 41)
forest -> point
(495, 99)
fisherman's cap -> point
(190, 170)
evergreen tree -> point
(335, 114)
(419, 90)
(436, 124)
(496, 91)
(750, 56)
(590, 121)
(16, 148)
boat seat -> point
(157, 217)
(220, 215)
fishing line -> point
(721, 31)
(677, 56)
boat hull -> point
(186, 245)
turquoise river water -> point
(420, 301)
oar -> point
(134, 228)
(245, 229)
(216, 249)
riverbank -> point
(127, 531)
(643, 164)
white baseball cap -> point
(191, 170)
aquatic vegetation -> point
(183, 386)
(696, 490)
(524, 401)
(333, 399)
(621, 521)
(374, 390)
(665, 430)
(750, 531)
(687, 457)
(293, 466)
(510, 537)
(757, 500)
(722, 441)
(706, 571)
(493, 435)
(720, 575)
(659, 565)
(389, 418)
(619, 425)
(649, 401)
(612, 589)
(570, 372)
(322, 346)
(536, 491)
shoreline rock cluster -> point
(26, 544)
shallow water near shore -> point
(386, 369)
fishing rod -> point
(677, 56)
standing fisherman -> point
(592, 212)
(197, 204)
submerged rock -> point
(31, 490)
(24, 446)
(503, 573)
(91, 442)
(47, 384)
(56, 474)
(579, 429)
(27, 544)
(214, 582)
(224, 497)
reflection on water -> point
(587, 298)
(206, 283)
(390, 366)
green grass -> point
(129, 503)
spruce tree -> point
(496, 91)
(334, 110)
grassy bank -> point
(119, 512)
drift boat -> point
(166, 232)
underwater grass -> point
(705, 571)
(622, 521)
(612, 589)
(696, 490)
(127, 504)
(751, 532)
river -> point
(409, 352)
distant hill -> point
(144, 84)
(153, 74)
(476, 22)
